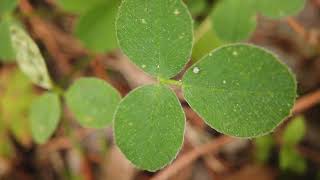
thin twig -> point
(297, 27)
(310, 36)
(306, 102)
(211, 147)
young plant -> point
(239, 89)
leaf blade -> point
(240, 90)
(6, 49)
(96, 28)
(279, 9)
(234, 20)
(45, 113)
(149, 33)
(294, 131)
(149, 126)
(29, 58)
(92, 101)
(7, 6)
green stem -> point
(204, 27)
(57, 89)
(170, 82)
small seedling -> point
(238, 89)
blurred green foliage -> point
(16, 98)
(290, 159)
(7, 6)
(294, 132)
(6, 51)
(78, 6)
(264, 145)
(96, 27)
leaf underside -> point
(29, 58)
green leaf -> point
(6, 6)
(240, 90)
(29, 57)
(294, 131)
(92, 101)
(196, 7)
(44, 115)
(264, 145)
(156, 35)
(78, 6)
(6, 50)
(234, 20)
(16, 96)
(205, 40)
(279, 8)
(290, 160)
(96, 28)
(149, 126)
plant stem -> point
(57, 89)
(204, 27)
(170, 82)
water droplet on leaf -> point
(196, 70)
(235, 53)
(176, 12)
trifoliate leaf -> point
(156, 35)
(240, 90)
(96, 28)
(92, 101)
(149, 126)
(44, 115)
(29, 57)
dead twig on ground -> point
(211, 147)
